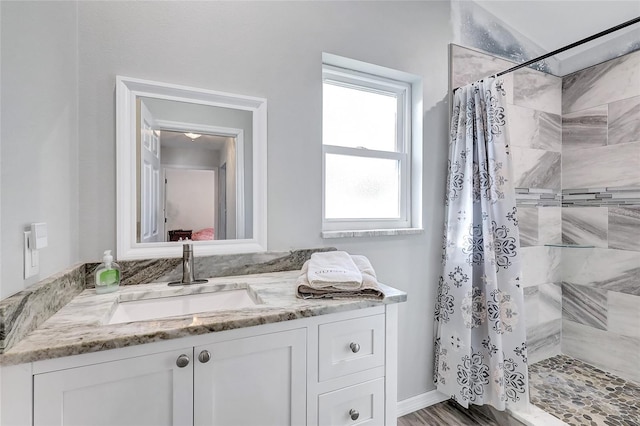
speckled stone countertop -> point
(82, 326)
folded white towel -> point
(368, 290)
(333, 269)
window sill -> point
(371, 233)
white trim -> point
(127, 91)
(408, 89)
(419, 402)
(391, 365)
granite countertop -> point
(82, 326)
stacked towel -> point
(315, 277)
(333, 269)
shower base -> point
(580, 394)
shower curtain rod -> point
(572, 45)
(567, 47)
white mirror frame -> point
(127, 91)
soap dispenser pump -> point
(107, 275)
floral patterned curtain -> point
(481, 354)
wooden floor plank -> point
(447, 413)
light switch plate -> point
(31, 258)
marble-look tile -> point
(531, 297)
(623, 314)
(624, 121)
(468, 66)
(540, 265)
(537, 90)
(607, 166)
(605, 269)
(530, 128)
(542, 303)
(584, 305)
(549, 225)
(536, 168)
(606, 350)
(543, 341)
(585, 129)
(600, 84)
(528, 226)
(624, 228)
(371, 233)
(550, 302)
(584, 226)
(23, 312)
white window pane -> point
(361, 188)
(357, 118)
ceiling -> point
(554, 24)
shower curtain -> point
(481, 353)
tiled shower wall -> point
(601, 155)
(534, 115)
(590, 123)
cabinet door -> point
(257, 380)
(146, 390)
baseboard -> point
(419, 402)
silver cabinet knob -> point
(204, 356)
(354, 414)
(182, 361)
(354, 347)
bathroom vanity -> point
(275, 360)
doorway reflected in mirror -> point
(188, 174)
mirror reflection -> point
(193, 172)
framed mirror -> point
(191, 165)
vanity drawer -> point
(362, 404)
(350, 346)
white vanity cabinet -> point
(144, 390)
(335, 369)
(255, 381)
(252, 381)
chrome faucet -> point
(187, 267)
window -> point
(367, 151)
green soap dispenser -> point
(107, 275)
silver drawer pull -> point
(182, 361)
(355, 348)
(204, 356)
(354, 414)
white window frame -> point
(349, 73)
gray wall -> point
(39, 153)
(273, 50)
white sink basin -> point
(149, 309)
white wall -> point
(191, 199)
(273, 50)
(39, 152)
(190, 157)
